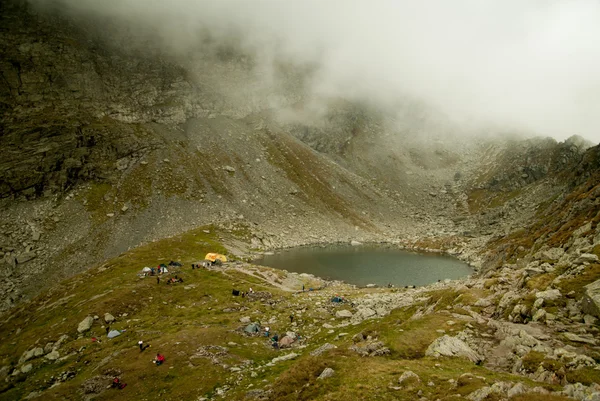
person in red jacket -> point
(159, 359)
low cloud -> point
(526, 65)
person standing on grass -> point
(291, 318)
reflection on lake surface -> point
(366, 264)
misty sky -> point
(526, 64)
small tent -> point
(146, 270)
(114, 333)
(252, 328)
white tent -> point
(146, 269)
(114, 333)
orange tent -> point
(214, 256)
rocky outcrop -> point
(452, 347)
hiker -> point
(302, 287)
(157, 280)
(117, 383)
(142, 346)
(291, 318)
(107, 329)
(275, 341)
(250, 291)
(266, 332)
(159, 360)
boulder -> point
(480, 394)
(245, 319)
(483, 302)
(286, 357)
(53, 356)
(108, 318)
(322, 349)
(590, 320)
(539, 316)
(586, 258)
(408, 376)
(343, 314)
(548, 295)
(452, 346)
(355, 243)
(25, 257)
(85, 324)
(48, 347)
(26, 368)
(552, 254)
(578, 339)
(518, 388)
(590, 303)
(27, 355)
(374, 348)
(366, 313)
(327, 372)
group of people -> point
(171, 280)
(158, 360)
(199, 265)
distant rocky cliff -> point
(109, 143)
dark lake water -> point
(362, 265)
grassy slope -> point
(177, 321)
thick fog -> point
(529, 65)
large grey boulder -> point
(283, 358)
(53, 356)
(327, 372)
(591, 299)
(586, 258)
(85, 324)
(27, 355)
(343, 314)
(552, 254)
(322, 349)
(548, 295)
(452, 346)
(26, 368)
(108, 318)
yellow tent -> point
(214, 256)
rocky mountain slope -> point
(118, 154)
